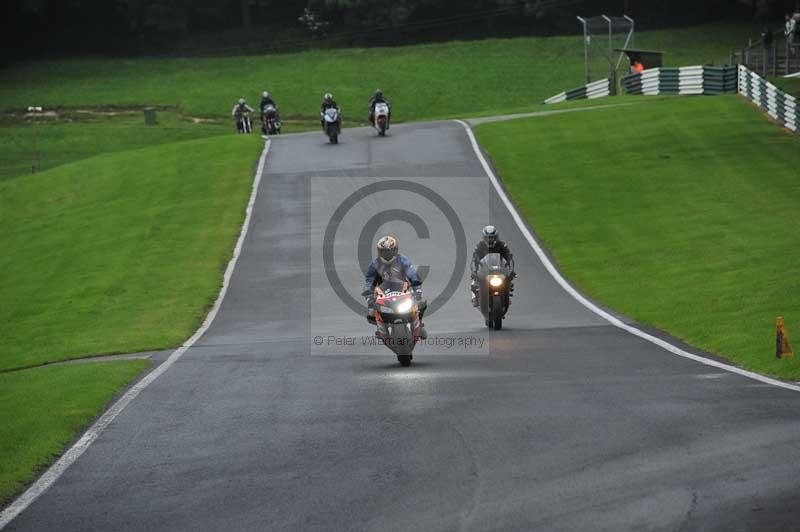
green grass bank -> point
(122, 252)
(42, 409)
(679, 213)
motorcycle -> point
(331, 120)
(269, 120)
(494, 289)
(381, 118)
(397, 317)
(244, 123)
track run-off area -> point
(282, 414)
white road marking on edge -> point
(591, 306)
(74, 452)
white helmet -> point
(328, 96)
(265, 94)
(241, 101)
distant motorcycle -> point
(494, 289)
(269, 120)
(397, 318)
(332, 119)
(244, 123)
(381, 118)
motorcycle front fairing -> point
(397, 317)
(493, 278)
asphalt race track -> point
(285, 417)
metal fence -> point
(777, 57)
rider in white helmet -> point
(328, 103)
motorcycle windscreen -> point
(492, 263)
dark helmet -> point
(490, 236)
(387, 248)
(378, 93)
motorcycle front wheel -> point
(497, 312)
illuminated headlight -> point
(496, 280)
(405, 306)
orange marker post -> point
(783, 349)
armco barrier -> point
(684, 80)
(597, 89)
(779, 105)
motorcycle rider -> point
(266, 99)
(378, 98)
(240, 109)
(390, 265)
(328, 103)
(490, 243)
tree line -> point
(47, 27)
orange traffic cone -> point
(783, 349)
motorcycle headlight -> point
(496, 280)
(405, 306)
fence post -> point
(774, 58)
(787, 53)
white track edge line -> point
(68, 458)
(591, 306)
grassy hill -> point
(424, 81)
(121, 252)
(680, 213)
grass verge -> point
(70, 136)
(121, 252)
(680, 213)
(42, 409)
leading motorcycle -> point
(397, 318)
(494, 289)
(381, 118)
(332, 120)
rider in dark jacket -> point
(328, 103)
(378, 98)
(390, 265)
(489, 243)
(266, 99)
